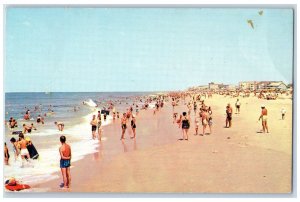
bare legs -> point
(185, 134)
(265, 126)
(66, 177)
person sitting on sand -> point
(60, 125)
(94, 124)
(185, 125)
(123, 125)
(264, 118)
(65, 161)
(26, 129)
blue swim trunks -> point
(65, 163)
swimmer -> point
(59, 125)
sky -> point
(143, 49)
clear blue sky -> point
(143, 49)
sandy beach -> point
(230, 160)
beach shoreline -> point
(235, 160)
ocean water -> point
(46, 137)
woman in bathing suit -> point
(185, 125)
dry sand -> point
(230, 160)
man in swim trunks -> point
(94, 124)
(123, 125)
(23, 146)
(65, 161)
(228, 116)
(26, 129)
(133, 126)
(59, 125)
(264, 117)
(237, 106)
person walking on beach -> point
(228, 116)
(196, 125)
(99, 123)
(60, 125)
(204, 120)
(65, 161)
(237, 106)
(264, 117)
(185, 125)
(133, 125)
(179, 121)
(94, 126)
(123, 125)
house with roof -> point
(279, 85)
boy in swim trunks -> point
(65, 161)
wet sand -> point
(230, 160)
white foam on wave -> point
(42, 170)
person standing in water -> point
(60, 125)
(94, 126)
(65, 161)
